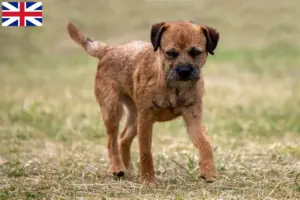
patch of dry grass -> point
(78, 169)
(52, 138)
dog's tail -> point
(92, 47)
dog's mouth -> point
(183, 73)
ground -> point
(52, 138)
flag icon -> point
(22, 13)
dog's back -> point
(119, 64)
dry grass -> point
(52, 138)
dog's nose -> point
(184, 72)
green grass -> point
(52, 138)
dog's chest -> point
(169, 104)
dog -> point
(152, 82)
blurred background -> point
(49, 118)
(266, 27)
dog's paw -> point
(117, 172)
(208, 171)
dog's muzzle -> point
(185, 72)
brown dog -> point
(152, 82)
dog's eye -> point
(194, 52)
(172, 54)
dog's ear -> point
(212, 38)
(156, 34)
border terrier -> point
(152, 82)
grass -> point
(52, 138)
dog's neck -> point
(175, 94)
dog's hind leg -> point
(112, 112)
(128, 133)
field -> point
(52, 137)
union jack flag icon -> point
(22, 13)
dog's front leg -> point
(144, 129)
(197, 132)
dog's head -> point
(183, 48)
